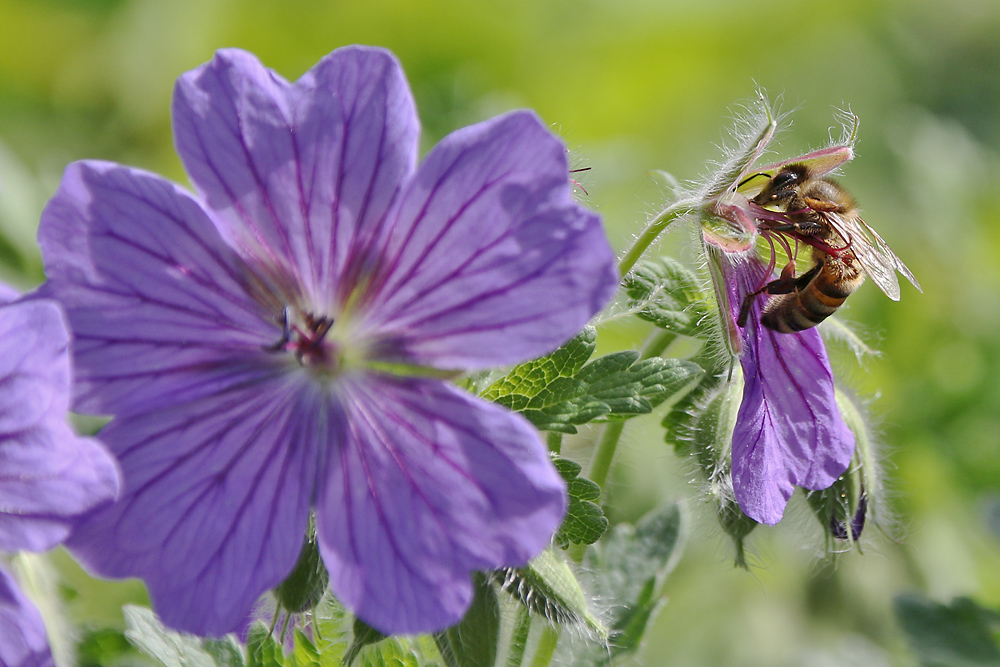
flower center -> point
(305, 336)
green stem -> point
(546, 647)
(657, 225)
(519, 638)
(657, 344)
(554, 440)
(600, 465)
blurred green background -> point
(634, 86)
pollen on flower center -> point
(307, 337)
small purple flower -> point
(280, 343)
(49, 474)
(789, 431)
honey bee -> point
(819, 212)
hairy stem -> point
(656, 225)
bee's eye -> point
(782, 180)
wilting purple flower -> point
(789, 431)
(49, 474)
(269, 346)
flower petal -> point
(153, 294)
(48, 474)
(489, 261)
(23, 642)
(430, 484)
(789, 431)
(300, 173)
(216, 501)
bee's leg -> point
(786, 283)
(804, 227)
(823, 205)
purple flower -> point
(281, 342)
(49, 474)
(789, 431)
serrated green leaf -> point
(473, 642)
(262, 649)
(520, 389)
(629, 387)
(958, 635)
(174, 649)
(667, 294)
(585, 521)
(627, 569)
(547, 586)
(558, 392)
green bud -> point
(306, 584)
(708, 435)
(842, 509)
(547, 586)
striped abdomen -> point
(833, 280)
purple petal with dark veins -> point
(23, 642)
(157, 301)
(430, 484)
(216, 500)
(789, 431)
(302, 174)
(489, 261)
(48, 474)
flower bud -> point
(303, 588)
(842, 509)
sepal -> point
(548, 587)
(843, 508)
(705, 432)
(303, 588)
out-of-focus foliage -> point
(635, 86)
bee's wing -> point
(876, 258)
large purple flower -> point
(281, 341)
(48, 474)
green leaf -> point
(391, 653)
(473, 642)
(530, 385)
(364, 635)
(585, 521)
(174, 649)
(558, 393)
(629, 387)
(106, 646)
(628, 569)
(948, 636)
(547, 586)
(664, 292)
(262, 649)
